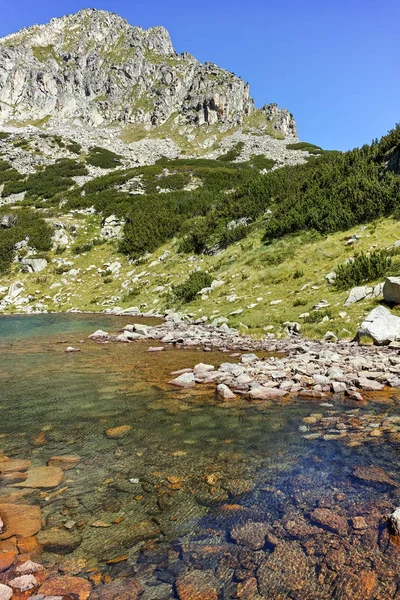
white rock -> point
(23, 583)
(15, 289)
(394, 521)
(5, 592)
(381, 326)
(99, 335)
(186, 380)
(224, 392)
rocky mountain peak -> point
(94, 68)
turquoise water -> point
(187, 472)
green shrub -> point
(61, 270)
(188, 290)
(362, 269)
(310, 148)
(27, 224)
(233, 153)
(298, 274)
(317, 316)
(131, 294)
(74, 147)
(259, 161)
(103, 158)
(82, 248)
(300, 302)
(48, 181)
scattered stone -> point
(186, 380)
(359, 523)
(77, 587)
(64, 462)
(328, 519)
(369, 385)
(381, 326)
(224, 393)
(373, 474)
(99, 335)
(391, 290)
(72, 349)
(23, 583)
(123, 589)
(251, 534)
(197, 585)
(118, 432)
(263, 393)
(12, 465)
(21, 520)
(59, 541)
(6, 592)
(42, 477)
(394, 522)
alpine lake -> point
(158, 493)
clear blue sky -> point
(333, 63)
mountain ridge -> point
(94, 67)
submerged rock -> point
(118, 432)
(328, 519)
(225, 393)
(201, 585)
(76, 587)
(59, 541)
(122, 589)
(186, 380)
(373, 474)
(22, 520)
(42, 477)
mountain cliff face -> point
(94, 68)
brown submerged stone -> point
(11, 478)
(59, 540)
(328, 519)
(13, 465)
(29, 545)
(42, 477)
(373, 474)
(118, 432)
(8, 553)
(197, 585)
(65, 462)
(20, 519)
(123, 589)
(357, 586)
(77, 587)
(251, 534)
(284, 572)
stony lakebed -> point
(165, 459)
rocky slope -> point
(95, 68)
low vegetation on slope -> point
(270, 238)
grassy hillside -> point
(270, 236)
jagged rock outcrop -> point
(95, 68)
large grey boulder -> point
(34, 265)
(364, 293)
(381, 326)
(15, 289)
(391, 290)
